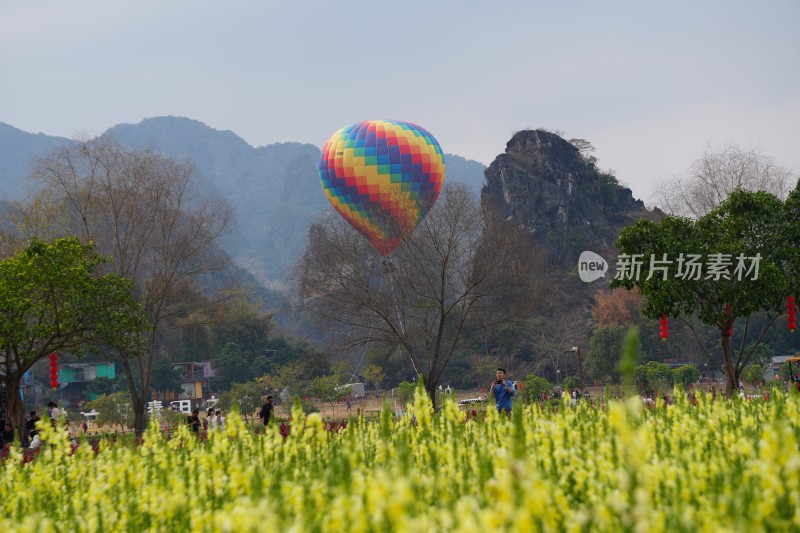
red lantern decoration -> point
(790, 310)
(54, 370)
(664, 328)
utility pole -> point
(577, 349)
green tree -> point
(536, 388)
(654, 377)
(242, 322)
(605, 347)
(165, 376)
(746, 225)
(113, 409)
(762, 355)
(753, 374)
(405, 392)
(686, 375)
(282, 350)
(232, 366)
(327, 389)
(787, 369)
(287, 380)
(246, 397)
(101, 386)
(572, 383)
(52, 299)
(373, 373)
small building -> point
(73, 379)
(774, 367)
(194, 375)
(354, 390)
(85, 372)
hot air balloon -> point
(382, 176)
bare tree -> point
(713, 177)
(139, 208)
(453, 277)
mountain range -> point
(274, 190)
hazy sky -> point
(650, 84)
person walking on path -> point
(194, 421)
(266, 411)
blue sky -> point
(651, 84)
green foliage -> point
(171, 418)
(753, 374)
(405, 392)
(100, 386)
(605, 347)
(686, 375)
(609, 186)
(762, 354)
(53, 300)
(572, 383)
(307, 406)
(374, 375)
(746, 224)
(787, 370)
(232, 366)
(286, 362)
(630, 351)
(536, 388)
(165, 376)
(283, 350)
(790, 239)
(113, 409)
(245, 397)
(485, 366)
(654, 377)
(289, 378)
(326, 388)
(245, 325)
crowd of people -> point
(29, 438)
(213, 420)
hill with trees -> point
(274, 190)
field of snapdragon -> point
(717, 466)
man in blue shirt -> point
(503, 392)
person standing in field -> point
(208, 421)
(266, 411)
(503, 392)
(30, 427)
(194, 421)
(7, 436)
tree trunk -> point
(138, 401)
(731, 379)
(15, 409)
(430, 388)
(139, 424)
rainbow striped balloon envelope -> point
(382, 176)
